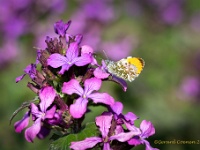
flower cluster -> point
(89, 20)
(66, 78)
(21, 19)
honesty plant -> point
(67, 78)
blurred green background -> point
(165, 34)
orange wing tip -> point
(137, 62)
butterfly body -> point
(127, 68)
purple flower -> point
(121, 119)
(93, 10)
(104, 123)
(86, 49)
(191, 86)
(117, 108)
(55, 7)
(8, 51)
(147, 129)
(78, 109)
(15, 27)
(101, 72)
(120, 48)
(172, 14)
(60, 27)
(39, 114)
(22, 124)
(30, 70)
(57, 60)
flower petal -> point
(71, 87)
(100, 73)
(83, 60)
(43, 132)
(50, 113)
(117, 108)
(135, 141)
(104, 123)
(147, 128)
(130, 117)
(122, 137)
(47, 96)
(78, 38)
(132, 128)
(148, 146)
(65, 67)
(119, 129)
(21, 124)
(72, 51)
(56, 60)
(60, 27)
(92, 84)
(31, 70)
(32, 131)
(106, 146)
(86, 49)
(78, 109)
(102, 98)
(35, 111)
(85, 144)
(19, 78)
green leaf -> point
(63, 143)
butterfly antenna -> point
(105, 54)
(37, 48)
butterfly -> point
(127, 68)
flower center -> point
(106, 139)
(84, 96)
(43, 115)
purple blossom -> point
(101, 71)
(104, 123)
(191, 86)
(121, 119)
(8, 51)
(60, 27)
(41, 33)
(57, 60)
(93, 10)
(30, 70)
(15, 27)
(120, 48)
(39, 114)
(56, 6)
(147, 129)
(86, 49)
(22, 124)
(78, 109)
(172, 14)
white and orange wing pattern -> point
(127, 68)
